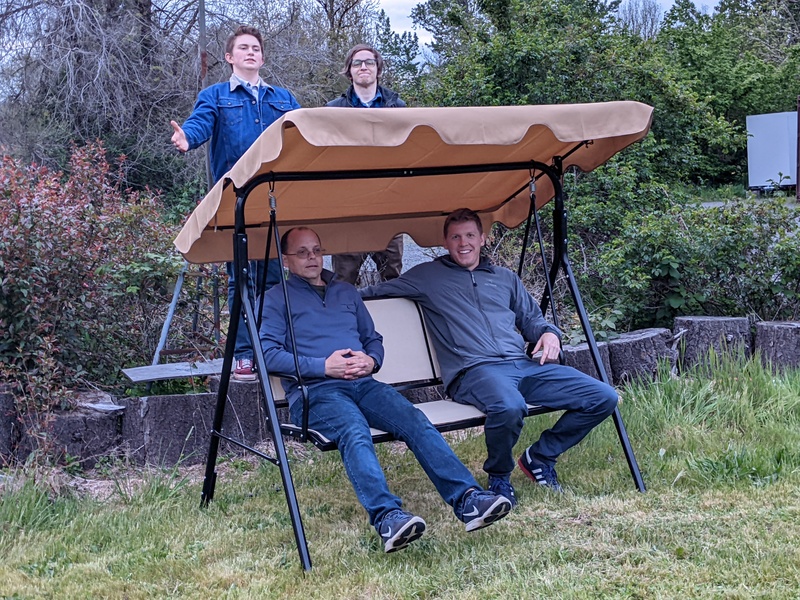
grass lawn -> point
(721, 518)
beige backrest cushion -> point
(405, 341)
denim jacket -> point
(230, 116)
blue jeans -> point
(501, 391)
(344, 410)
(244, 348)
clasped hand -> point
(349, 364)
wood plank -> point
(173, 371)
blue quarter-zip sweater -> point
(475, 317)
(321, 326)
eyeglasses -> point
(304, 253)
(370, 62)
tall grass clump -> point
(31, 507)
(728, 421)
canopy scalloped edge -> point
(361, 214)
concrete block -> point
(166, 430)
(580, 358)
(700, 335)
(83, 434)
(779, 343)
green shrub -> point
(737, 259)
(645, 252)
(85, 268)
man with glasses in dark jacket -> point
(363, 67)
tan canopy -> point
(308, 152)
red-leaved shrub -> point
(85, 269)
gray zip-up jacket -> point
(475, 317)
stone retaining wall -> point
(699, 336)
(779, 344)
(163, 430)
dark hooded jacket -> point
(386, 99)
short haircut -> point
(240, 31)
(285, 237)
(462, 215)
(348, 62)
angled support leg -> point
(274, 428)
(241, 302)
(210, 479)
(622, 433)
(561, 262)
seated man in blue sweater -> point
(480, 317)
(339, 350)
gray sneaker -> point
(398, 529)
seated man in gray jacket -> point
(480, 317)
(338, 351)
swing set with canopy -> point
(360, 177)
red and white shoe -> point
(243, 370)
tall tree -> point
(401, 53)
(641, 17)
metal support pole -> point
(274, 428)
(162, 340)
(241, 302)
(210, 480)
(622, 433)
(561, 261)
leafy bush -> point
(84, 271)
(738, 259)
(631, 182)
(645, 252)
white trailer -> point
(772, 150)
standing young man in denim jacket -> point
(232, 115)
(363, 67)
(338, 351)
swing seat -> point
(409, 363)
(358, 178)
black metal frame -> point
(240, 260)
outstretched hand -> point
(550, 346)
(348, 364)
(179, 137)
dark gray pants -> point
(389, 262)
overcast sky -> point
(399, 11)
